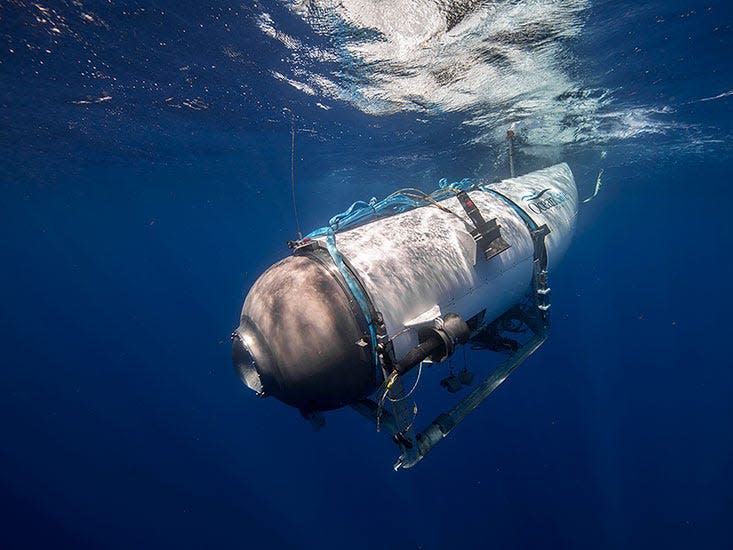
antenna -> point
(292, 174)
(510, 137)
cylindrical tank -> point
(303, 336)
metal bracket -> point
(487, 234)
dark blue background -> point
(130, 233)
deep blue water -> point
(145, 184)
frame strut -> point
(445, 422)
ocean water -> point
(145, 183)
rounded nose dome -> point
(304, 336)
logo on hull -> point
(547, 199)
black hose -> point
(439, 345)
(419, 353)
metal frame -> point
(398, 420)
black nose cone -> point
(303, 338)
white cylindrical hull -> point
(418, 265)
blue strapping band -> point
(356, 291)
(520, 212)
(400, 201)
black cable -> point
(292, 174)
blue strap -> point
(531, 224)
(356, 291)
(356, 211)
(400, 201)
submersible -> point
(389, 285)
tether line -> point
(292, 174)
